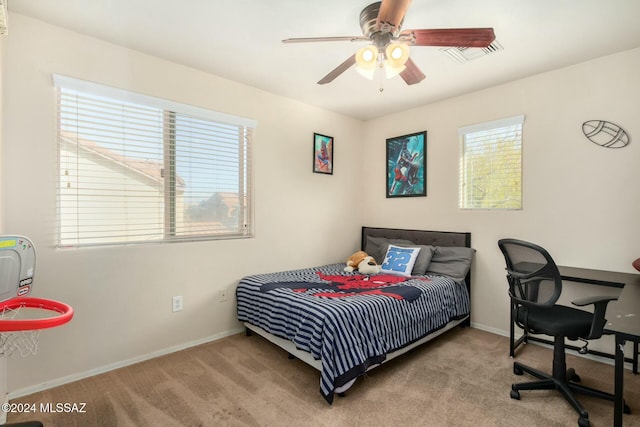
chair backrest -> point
(534, 279)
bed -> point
(344, 324)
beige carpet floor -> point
(462, 378)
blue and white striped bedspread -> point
(348, 331)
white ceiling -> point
(241, 40)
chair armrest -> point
(581, 302)
(600, 308)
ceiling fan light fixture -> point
(397, 54)
(367, 57)
(366, 60)
(366, 73)
(392, 71)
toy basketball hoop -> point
(23, 317)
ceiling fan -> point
(381, 24)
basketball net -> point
(22, 319)
(24, 343)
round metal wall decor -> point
(605, 134)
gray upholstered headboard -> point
(419, 237)
(423, 237)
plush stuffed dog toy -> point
(362, 262)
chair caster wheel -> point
(572, 376)
(583, 422)
(515, 394)
(517, 370)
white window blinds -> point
(134, 168)
(491, 165)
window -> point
(491, 165)
(134, 168)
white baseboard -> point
(81, 375)
(100, 370)
(489, 329)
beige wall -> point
(581, 201)
(122, 295)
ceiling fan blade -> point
(458, 37)
(392, 13)
(338, 70)
(412, 74)
(326, 39)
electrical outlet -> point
(177, 303)
(222, 295)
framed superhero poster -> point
(322, 154)
(407, 165)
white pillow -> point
(399, 260)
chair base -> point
(563, 380)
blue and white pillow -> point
(399, 260)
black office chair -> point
(534, 287)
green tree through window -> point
(491, 165)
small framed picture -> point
(322, 154)
(407, 165)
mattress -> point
(349, 321)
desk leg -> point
(512, 347)
(618, 405)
